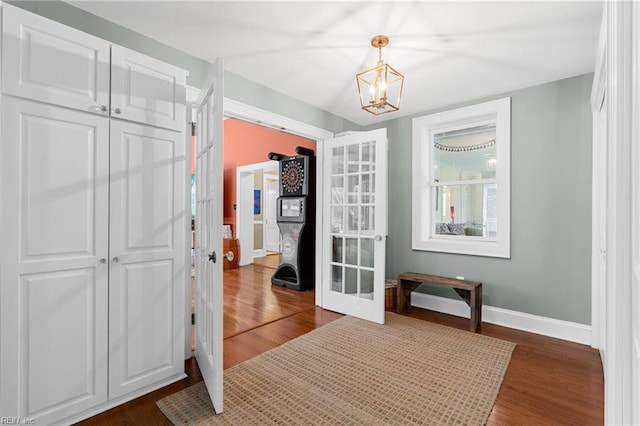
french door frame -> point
(616, 203)
(261, 117)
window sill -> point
(475, 247)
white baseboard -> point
(559, 329)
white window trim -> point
(422, 225)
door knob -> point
(103, 260)
(116, 111)
(378, 237)
(212, 256)
(116, 259)
(229, 256)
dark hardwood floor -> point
(549, 381)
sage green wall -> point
(236, 87)
(252, 93)
(549, 272)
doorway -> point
(258, 146)
(261, 118)
(254, 207)
(251, 183)
(271, 230)
(256, 224)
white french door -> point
(208, 241)
(354, 218)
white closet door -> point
(50, 62)
(53, 272)
(147, 90)
(148, 255)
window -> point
(461, 188)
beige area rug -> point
(353, 372)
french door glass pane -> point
(352, 216)
(338, 160)
(336, 278)
(351, 249)
(353, 158)
(368, 156)
(366, 284)
(367, 188)
(337, 250)
(337, 219)
(366, 252)
(367, 220)
(337, 190)
(353, 189)
(351, 281)
(352, 219)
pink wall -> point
(246, 143)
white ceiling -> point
(449, 51)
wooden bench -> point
(470, 291)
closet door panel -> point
(53, 272)
(148, 256)
(50, 62)
(62, 352)
(147, 90)
(141, 345)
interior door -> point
(147, 247)
(208, 239)
(272, 232)
(354, 217)
(54, 166)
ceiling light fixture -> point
(380, 88)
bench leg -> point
(470, 299)
(479, 304)
(401, 298)
(474, 310)
(404, 295)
